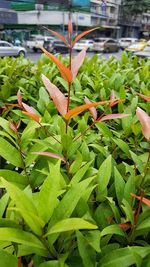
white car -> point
(36, 41)
(125, 42)
(87, 43)
(8, 49)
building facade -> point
(25, 17)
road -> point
(35, 56)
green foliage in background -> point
(74, 209)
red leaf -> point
(124, 225)
(73, 112)
(77, 62)
(70, 27)
(145, 97)
(57, 96)
(30, 264)
(65, 72)
(79, 36)
(19, 261)
(113, 116)
(19, 98)
(58, 35)
(145, 122)
(33, 116)
(50, 155)
(13, 126)
(92, 110)
(144, 200)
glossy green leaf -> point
(14, 177)
(123, 146)
(10, 153)
(80, 173)
(49, 192)
(24, 206)
(113, 229)
(70, 224)
(119, 185)
(20, 237)
(104, 174)
(128, 211)
(86, 252)
(7, 259)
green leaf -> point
(137, 161)
(119, 185)
(5, 125)
(10, 153)
(24, 206)
(63, 210)
(128, 211)
(50, 264)
(49, 192)
(86, 252)
(20, 237)
(123, 257)
(7, 259)
(70, 224)
(104, 174)
(93, 239)
(75, 166)
(123, 146)
(129, 188)
(111, 230)
(104, 129)
(15, 178)
(3, 204)
(80, 173)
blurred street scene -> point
(120, 24)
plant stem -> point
(69, 83)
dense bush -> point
(74, 192)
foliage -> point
(75, 184)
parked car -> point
(8, 49)
(145, 53)
(125, 42)
(139, 46)
(105, 45)
(84, 43)
(37, 40)
(55, 46)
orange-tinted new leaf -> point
(144, 200)
(124, 225)
(145, 97)
(77, 62)
(65, 72)
(30, 264)
(73, 112)
(70, 30)
(57, 96)
(79, 36)
(50, 155)
(33, 116)
(58, 35)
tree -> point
(135, 6)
